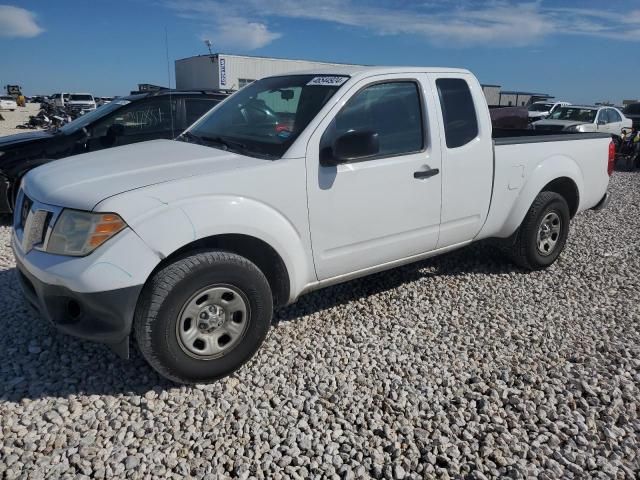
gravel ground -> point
(458, 367)
(20, 116)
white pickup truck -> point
(293, 183)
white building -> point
(232, 72)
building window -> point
(243, 82)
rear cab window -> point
(458, 111)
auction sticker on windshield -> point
(328, 81)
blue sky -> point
(579, 51)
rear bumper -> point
(603, 203)
(103, 317)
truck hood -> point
(83, 181)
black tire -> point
(523, 249)
(166, 293)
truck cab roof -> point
(355, 71)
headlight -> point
(79, 233)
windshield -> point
(89, 118)
(264, 118)
(84, 98)
(540, 107)
(586, 115)
(633, 109)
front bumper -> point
(92, 297)
(103, 317)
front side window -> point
(603, 117)
(391, 110)
(458, 111)
(264, 118)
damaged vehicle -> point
(582, 119)
(127, 120)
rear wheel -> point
(203, 316)
(543, 232)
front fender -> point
(545, 172)
(168, 226)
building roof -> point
(531, 94)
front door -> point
(385, 206)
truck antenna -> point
(166, 43)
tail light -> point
(612, 158)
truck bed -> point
(509, 136)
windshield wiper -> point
(189, 137)
(225, 142)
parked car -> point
(8, 103)
(541, 110)
(509, 118)
(59, 99)
(103, 100)
(294, 183)
(582, 119)
(127, 120)
(632, 112)
(81, 102)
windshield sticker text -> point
(328, 81)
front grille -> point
(33, 223)
(36, 229)
(24, 211)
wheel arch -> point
(259, 252)
(558, 174)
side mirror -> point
(601, 122)
(352, 145)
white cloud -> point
(479, 22)
(18, 22)
(241, 34)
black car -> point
(132, 119)
(632, 111)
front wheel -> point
(543, 232)
(203, 316)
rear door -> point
(467, 156)
(602, 121)
(384, 207)
(147, 119)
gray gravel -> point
(461, 366)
